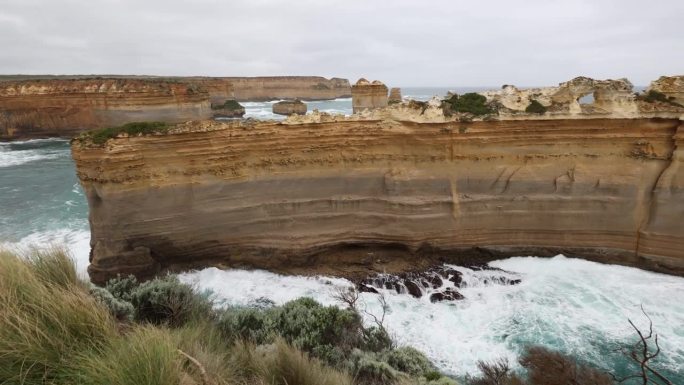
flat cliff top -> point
(96, 86)
(19, 77)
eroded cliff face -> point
(359, 194)
(368, 95)
(37, 107)
(266, 88)
(396, 188)
(289, 87)
(53, 108)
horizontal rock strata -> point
(61, 106)
(342, 196)
(54, 108)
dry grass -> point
(45, 318)
(53, 332)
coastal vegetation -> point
(230, 105)
(535, 108)
(470, 102)
(654, 96)
(56, 328)
(134, 128)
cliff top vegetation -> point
(101, 136)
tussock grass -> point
(53, 331)
(145, 356)
(46, 317)
(285, 365)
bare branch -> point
(380, 322)
(640, 354)
(347, 295)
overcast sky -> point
(405, 43)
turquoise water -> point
(576, 306)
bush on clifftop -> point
(470, 102)
(535, 108)
(134, 128)
(655, 96)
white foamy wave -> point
(568, 304)
(9, 158)
(77, 242)
(255, 284)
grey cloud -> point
(431, 43)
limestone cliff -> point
(289, 87)
(47, 108)
(391, 190)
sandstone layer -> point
(38, 108)
(394, 96)
(368, 95)
(397, 188)
(49, 106)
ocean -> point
(578, 307)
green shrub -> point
(653, 96)
(134, 128)
(470, 102)
(377, 339)
(409, 360)
(249, 324)
(168, 301)
(122, 287)
(312, 327)
(120, 309)
(535, 108)
(229, 104)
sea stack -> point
(229, 109)
(368, 95)
(290, 107)
(394, 96)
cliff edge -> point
(396, 188)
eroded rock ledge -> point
(394, 189)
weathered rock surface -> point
(288, 87)
(48, 106)
(368, 95)
(671, 86)
(229, 109)
(397, 189)
(34, 109)
(289, 107)
(394, 96)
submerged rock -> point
(449, 294)
(413, 288)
